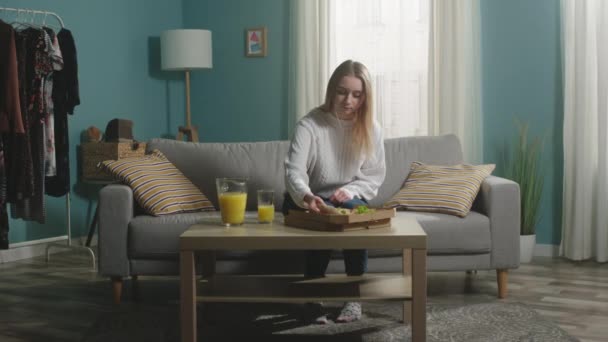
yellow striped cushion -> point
(158, 186)
(441, 189)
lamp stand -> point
(191, 132)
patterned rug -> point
(277, 322)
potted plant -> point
(523, 167)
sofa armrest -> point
(499, 199)
(115, 212)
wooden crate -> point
(380, 218)
(94, 153)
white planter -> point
(526, 247)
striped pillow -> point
(158, 186)
(441, 189)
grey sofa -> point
(132, 243)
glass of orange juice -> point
(265, 206)
(232, 196)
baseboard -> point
(30, 249)
(546, 250)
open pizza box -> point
(378, 218)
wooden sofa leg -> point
(501, 278)
(117, 289)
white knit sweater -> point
(320, 159)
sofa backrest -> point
(401, 152)
(260, 162)
(263, 163)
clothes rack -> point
(68, 245)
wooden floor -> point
(62, 298)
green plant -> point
(523, 167)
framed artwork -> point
(255, 42)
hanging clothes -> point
(38, 89)
(10, 116)
(4, 228)
(10, 111)
(38, 65)
(66, 96)
(18, 151)
(50, 163)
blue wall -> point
(521, 68)
(118, 57)
(245, 99)
(521, 59)
(241, 98)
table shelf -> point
(297, 289)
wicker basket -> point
(96, 152)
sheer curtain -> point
(455, 74)
(585, 56)
(419, 89)
(309, 68)
(391, 38)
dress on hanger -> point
(11, 123)
(66, 97)
(38, 65)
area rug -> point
(496, 322)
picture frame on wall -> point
(255, 42)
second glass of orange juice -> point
(265, 206)
(232, 196)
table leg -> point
(418, 295)
(187, 278)
(407, 271)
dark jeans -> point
(355, 260)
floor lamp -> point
(185, 50)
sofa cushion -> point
(157, 237)
(443, 189)
(158, 187)
(448, 234)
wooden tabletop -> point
(405, 232)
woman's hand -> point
(340, 196)
(315, 203)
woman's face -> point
(349, 97)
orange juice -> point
(265, 213)
(232, 207)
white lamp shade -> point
(186, 49)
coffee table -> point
(208, 236)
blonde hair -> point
(363, 125)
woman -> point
(336, 158)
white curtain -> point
(391, 38)
(423, 56)
(585, 58)
(455, 74)
(309, 68)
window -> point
(391, 38)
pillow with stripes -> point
(158, 186)
(441, 189)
